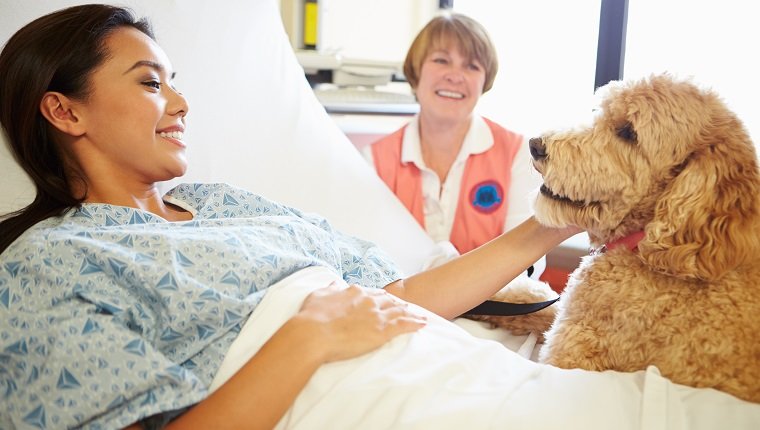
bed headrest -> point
(253, 122)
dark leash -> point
(505, 309)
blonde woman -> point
(465, 178)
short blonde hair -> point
(471, 38)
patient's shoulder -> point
(223, 200)
(199, 194)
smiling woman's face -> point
(450, 84)
(133, 117)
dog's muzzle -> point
(537, 148)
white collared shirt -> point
(440, 208)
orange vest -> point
(482, 205)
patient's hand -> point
(353, 321)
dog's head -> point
(663, 156)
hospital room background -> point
(255, 123)
(552, 53)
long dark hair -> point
(57, 52)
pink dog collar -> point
(631, 242)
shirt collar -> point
(478, 139)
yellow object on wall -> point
(310, 18)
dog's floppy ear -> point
(705, 223)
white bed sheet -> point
(443, 378)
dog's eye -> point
(626, 132)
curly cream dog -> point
(667, 177)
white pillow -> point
(16, 189)
(253, 122)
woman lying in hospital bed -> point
(167, 281)
(212, 306)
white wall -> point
(715, 43)
(377, 30)
(547, 60)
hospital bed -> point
(255, 123)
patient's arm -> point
(464, 282)
(332, 325)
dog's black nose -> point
(537, 148)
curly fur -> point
(668, 158)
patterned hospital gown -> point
(109, 315)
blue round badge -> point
(486, 196)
